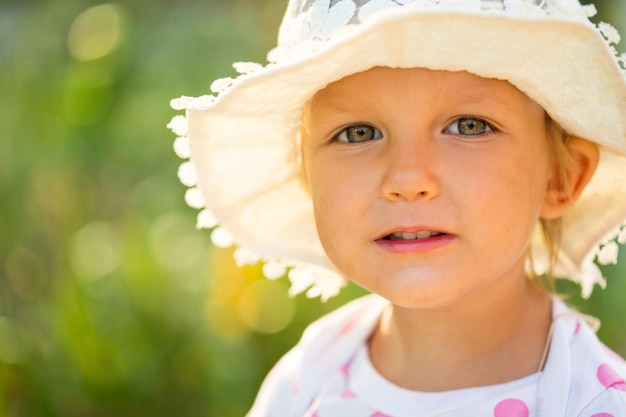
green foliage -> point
(111, 303)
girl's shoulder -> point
(590, 374)
(603, 383)
(325, 346)
(335, 337)
(355, 319)
(600, 376)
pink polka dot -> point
(602, 415)
(610, 379)
(348, 394)
(511, 408)
(577, 329)
(379, 414)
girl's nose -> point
(410, 172)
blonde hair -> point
(552, 228)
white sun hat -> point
(242, 142)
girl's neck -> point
(477, 342)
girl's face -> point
(426, 184)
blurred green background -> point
(111, 303)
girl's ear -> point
(565, 188)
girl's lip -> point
(390, 242)
(413, 230)
(415, 246)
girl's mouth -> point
(415, 242)
(422, 234)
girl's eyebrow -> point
(485, 96)
(484, 99)
(332, 110)
(500, 105)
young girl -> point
(448, 156)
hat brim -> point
(244, 144)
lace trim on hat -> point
(312, 280)
(607, 253)
(588, 274)
(317, 21)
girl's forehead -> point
(418, 84)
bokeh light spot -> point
(95, 33)
(265, 307)
(176, 244)
(93, 251)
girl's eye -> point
(469, 126)
(358, 134)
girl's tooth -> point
(423, 234)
